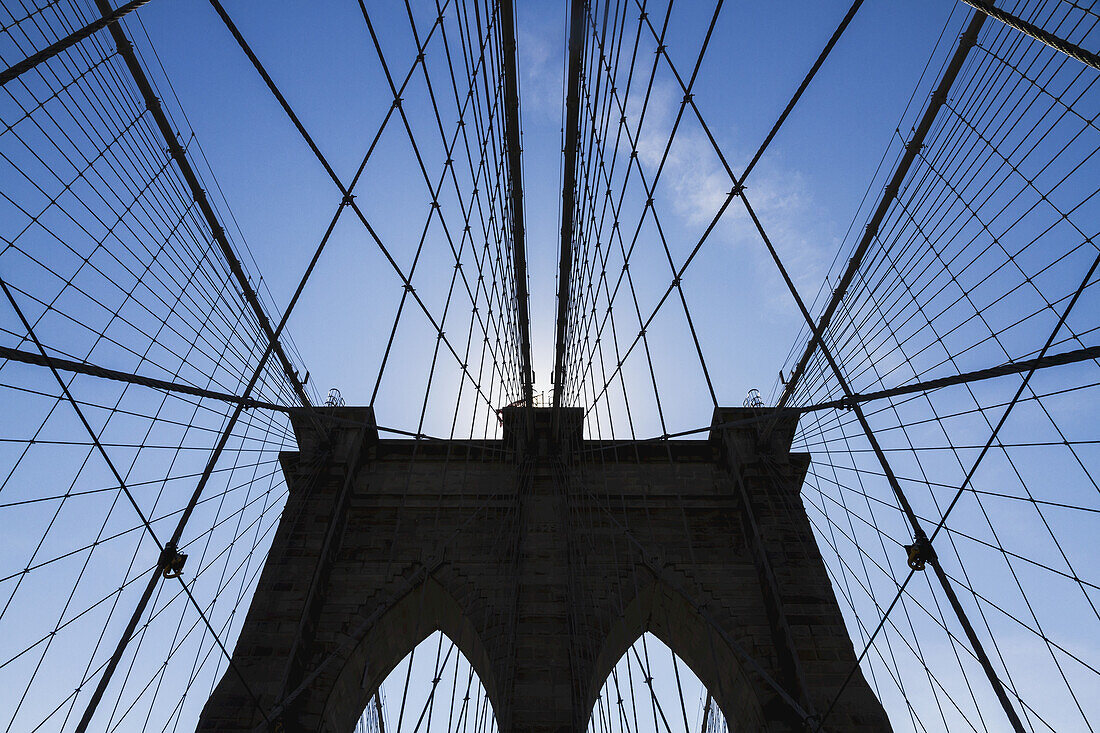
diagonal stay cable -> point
(126, 50)
(16, 70)
(167, 550)
(923, 541)
(738, 182)
(434, 191)
(348, 199)
(967, 41)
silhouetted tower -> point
(543, 557)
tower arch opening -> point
(660, 617)
(433, 688)
(414, 669)
(653, 688)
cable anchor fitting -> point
(812, 722)
(919, 553)
(911, 145)
(171, 561)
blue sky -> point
(807, 187)
(812, 190)
(809, 191)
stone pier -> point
(543, 556)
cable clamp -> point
(919, 553)
(171, 561)
(737, 190)
(347, 200)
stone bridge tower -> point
(543, 556)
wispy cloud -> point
(540, 64)
(694, 184)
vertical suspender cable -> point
(68, 41)
(1030, 29)
(968, 40)
(578, 11)
(515, 176)
(175, 149)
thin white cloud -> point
(694, 185)
(540, 64)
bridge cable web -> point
(998, 153)
(971, 150)
(103, 89)
(978, 262)
(171, 337)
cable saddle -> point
(919, 553)
(172, 561)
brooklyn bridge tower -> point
(899, 536)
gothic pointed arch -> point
(540, 624)
(427, 608)
(668, 615)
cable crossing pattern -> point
(155, 336)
